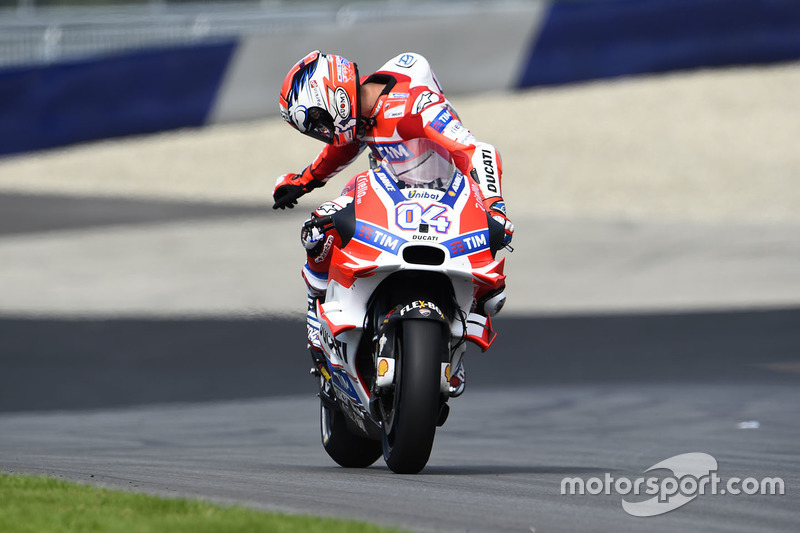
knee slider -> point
(492, 302)
(313, 240)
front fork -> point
(385, 347)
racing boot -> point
(316, 285)
(312, 327)
(487, 305)
(319, 369)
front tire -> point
(347, 449)
(409, 423)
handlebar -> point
(323, 223)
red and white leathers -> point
(412, 105)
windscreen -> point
(425, 163)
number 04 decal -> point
(411, 214)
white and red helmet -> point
(319, 98)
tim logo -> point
(393, 152)
(442, 120)
(406, 60)
(468, 244)
(378, 237)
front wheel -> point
(347, 449)
(409, 421)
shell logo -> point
(383, 367)
(447, 372)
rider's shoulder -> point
(406, 60)
(411, 64)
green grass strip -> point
(46, 505)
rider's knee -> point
(491, 302)
(318, 244)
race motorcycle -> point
(416, 244)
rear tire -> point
(410, 422)
(347, 449)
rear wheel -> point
(411, 413)
(347, 449)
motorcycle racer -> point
(323, 97)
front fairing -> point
(413, 228)
(404, 228)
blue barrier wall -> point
(147, 91)
(602, 39)
(143, 92)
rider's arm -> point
(481, 161)
(333, 159)
(327, 164)
(439, 122)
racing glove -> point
(496, 208)
(290, 187)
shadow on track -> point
(35, 213)
(83, 364)
(500, 470)
(470, 470)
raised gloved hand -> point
(290, 187)
(497, 210)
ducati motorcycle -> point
(417, 243)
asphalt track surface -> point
(222, 408)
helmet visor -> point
(320, 125)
